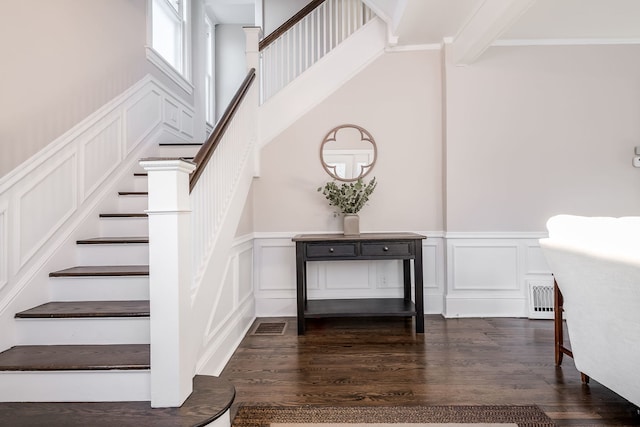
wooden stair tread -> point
(86, 309)
(179, 144)
(124, 215)
(211, 398)
(133, 193)
(113, 240)
(140, 174)
(102, 270)
(75, 357)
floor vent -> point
(540, 300)
(270, 328)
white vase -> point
(351, 225)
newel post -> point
(252, 52)
(169, 280)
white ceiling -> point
(430, 21)
(504, 21)
(232, 11)
(578, 19)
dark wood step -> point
(133, 193)
(102, 270)
(113, 240)
(83, 309)
(211, 398)
(124, 215)
(75, 357)
(141, 174)
(176, 144)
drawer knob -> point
(386, 248)
(331, 250)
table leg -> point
(301, 286)
(417, 273)
(406, 268)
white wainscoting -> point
(232, 311)
(4, 252)
(49, 199)
(101, 152)
(44, 201)
(275, 276)
(142, 116)
(488, 273)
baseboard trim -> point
(457, 307)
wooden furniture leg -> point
(560, 349)
(558, 303)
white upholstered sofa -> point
(596, 264)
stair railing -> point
(186, 215)
(218, 164)
(305, 38)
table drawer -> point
(327, 250)
(390, 249)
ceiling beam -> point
(490, 20)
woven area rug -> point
(383, 416)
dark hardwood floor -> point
(352, 362)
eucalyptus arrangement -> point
(349, 197)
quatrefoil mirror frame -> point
(365, 137)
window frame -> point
(209, 72)
(182, 78)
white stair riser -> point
(118, 227)
(113, 254)
(75, 386)
(83, 331)
(138, 183)
(178, 151)
(133, 203)
(99, 288)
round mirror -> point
(348, 152)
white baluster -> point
(309, 40)
(325, 35)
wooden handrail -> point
(204, 154)
(289, 23)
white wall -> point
(397, 99)
(532, 132)
(529, 132)
(276, 12)
(230, 64)
(245, 225)
(62, 60)
(537, 131)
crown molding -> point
(566, 42)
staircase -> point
(91, 342)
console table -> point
(366, 246)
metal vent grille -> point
(270, 328)
(540, 300)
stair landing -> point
(210, 399)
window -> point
(169, 39)
(208, 79)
